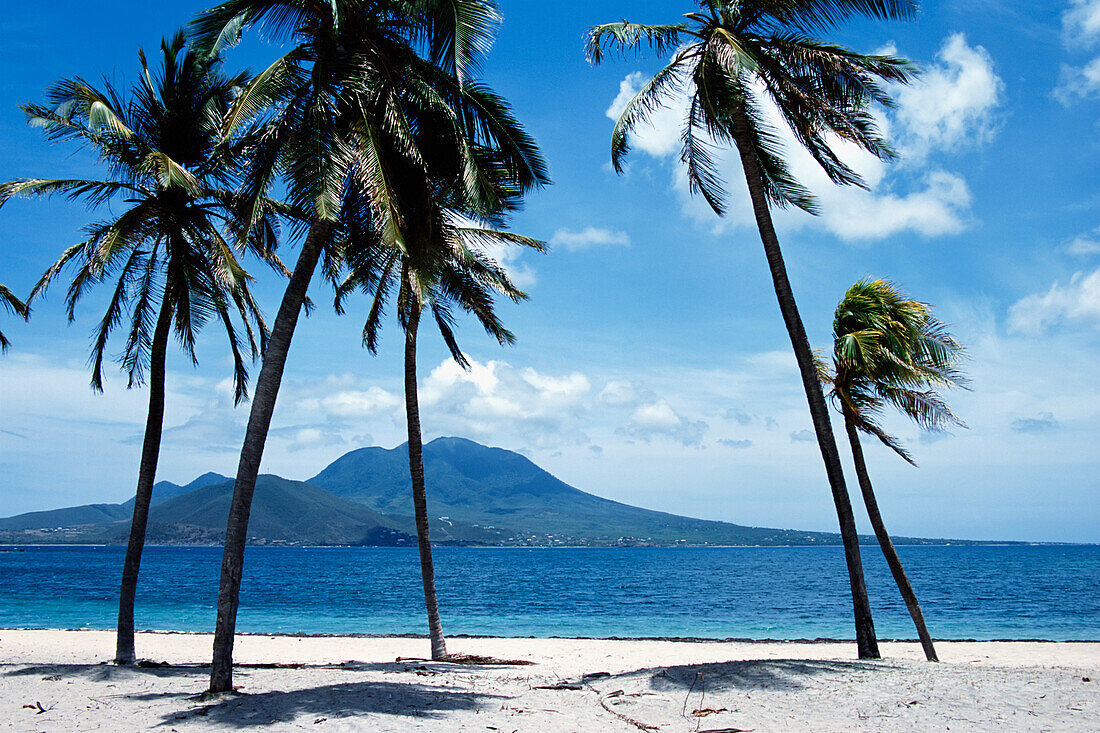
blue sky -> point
(652, 366)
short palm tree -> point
(172, 268)
(731, 59)
(432, 253)
(14, 305)
(333, 88)
(889, 350)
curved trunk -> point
(147, 473)
(420, 499)
(884, 542)
(259, 420)
(866, 641)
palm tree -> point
(731, 59)
(173, 269)
(14, 305)
(433, 254)
(888, 349)
(332, 89)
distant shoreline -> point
(962, 543)
(670, 639)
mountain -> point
(283, 512)
(67, 517)
(497, 488)
(100, 513)
(476, 495)
(165, 490)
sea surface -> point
(982, 592)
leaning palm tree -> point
(166, 252)
(432, 251)
(889, 350)
(731, 60)
(14, 305)
(321, 98)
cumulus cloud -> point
(1085, 244)
(952, 105)
(494, 397)
(589, 237)
(1080, 30)
(659, 420)
(1043, 422)
(619, 393)
(1078, 82)
(803, 436)
(1076, 302)
(739, 416)
(359, 404)
(953, 102)
(1081, 23)
(735, 444)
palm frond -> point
(624, 36)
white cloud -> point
(1078, 82)
(941, 207)
(735, 444)
(1041, 423)
(495, 398)
(359, 404)
(803, 436)
(619, 393)
(658, 419)
(1079, 301)
(1085, 244)
(952, 103)
(588, 237)
(1080, 30)
(951, 106)
(1081, 23)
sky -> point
(651, 363)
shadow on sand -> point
(348, 699)
(342, 700)
(749, 674)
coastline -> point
(333, 683)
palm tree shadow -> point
(100, 672)
(749, 674)
(342, 700)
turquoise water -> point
(1008, 592)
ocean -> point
(967, 592)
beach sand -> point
(59, 681)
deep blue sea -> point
(1004, 592)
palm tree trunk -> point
(884, 541)
(420, 498)
(259, 420)
(866, 642)
(147, 472)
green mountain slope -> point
(499, 488)
(476, 495)
(165, 490)
(67, 517)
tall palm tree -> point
(433, 254)
(334, 87)
(14, 305)
(731, 59)
(172, 267)
(889, 350)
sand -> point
(59, 681)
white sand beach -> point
(60, 681)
